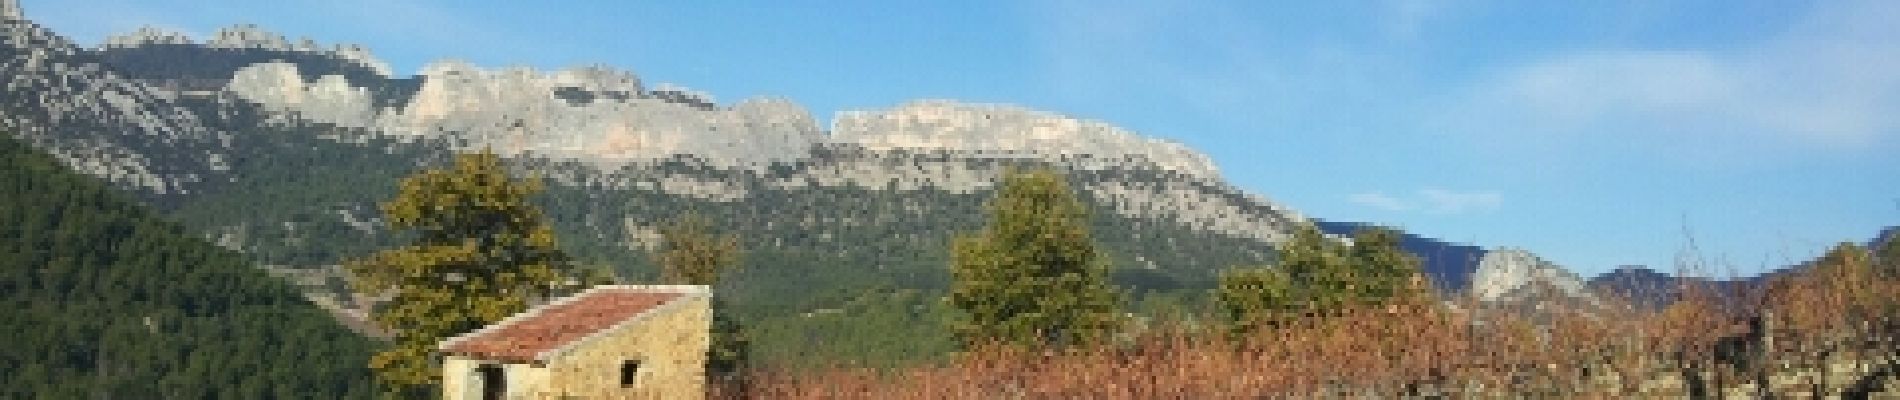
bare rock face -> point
(94, 120)
(520, 110)
(329, 99)
(1011, 132)
(682, 95)
(146, 35)
(248, 36)
(362, 56)
(10, 9)
(1187, 188)
(615, 124)
(1506, 270)
(593, 114)
(607, 119)
(1200, 205)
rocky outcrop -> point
(63, 100)
(604, 115)
(10, 10)
(330, 99)
(606, 118)
(593, 114)
(145, 36)
(1185, 186)
(520, 111)
(1001, 131)
(248, 37)
(1504, 271)
(1196, 204)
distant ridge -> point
(1653, 289)
(1641, 286)
(1448, 265)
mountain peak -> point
(246, 37)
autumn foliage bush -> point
(1712, 339)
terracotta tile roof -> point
(524, 337)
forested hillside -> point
(102, 299)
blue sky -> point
(1598, 135)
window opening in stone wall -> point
(629, 371)
(494, 383)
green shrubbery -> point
(1318, 276)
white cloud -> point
(1379, 200)
(1451, 202)
(1589, 87)
(1432, 200)
(1831, 80)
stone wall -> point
(670, 344)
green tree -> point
(1033, 275)
(100, 297)
(1382, 270)
(1319, 268)
(1256, 297)
(692, 254)
(482, 252)
(1318, 276)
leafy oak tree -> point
(691, 253)
(1033, 276)
(481, 252)
(1383, 270)
(1318, 276)
(1253, 298)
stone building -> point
(609, 342)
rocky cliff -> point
(249, 112)
(64, 99)
(608, 120)
(1513, 274)
(10, 10)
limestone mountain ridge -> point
(281, 148)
